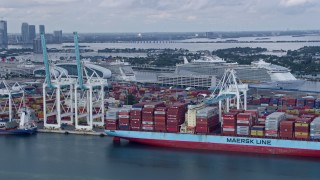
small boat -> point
(24, 126)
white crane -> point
(229, 89)
(57, 91)
(89, 95)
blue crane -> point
(45, 60)
(79, 65)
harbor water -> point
(76, 157)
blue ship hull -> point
(18, 131)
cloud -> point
(169, 15)
(290, 3)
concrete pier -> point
(94, 133)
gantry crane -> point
(57, 91)
(12, 100)
(89, 95)
(228, 92)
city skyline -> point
(161, 16)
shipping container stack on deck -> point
(229, 123)
(264, 101)
(302, 128)
(309, 103)
(136, 116)
(287, 128)
(148, 115)
(257, 130)
(207, 120)
(272, 123)
(274, 102)
(315, 129)
(300, 102)
(112, 119)
(124, 119)
(160, 119)
(244, 122)
(176, 116)
(291, 102)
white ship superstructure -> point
(257, 72)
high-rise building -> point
(32, 33)
(57, 36)
(25, 32)
(37, 48)
(42, 29)
(3, 34)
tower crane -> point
(57, 92)
(89, 95)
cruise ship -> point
(259, 74)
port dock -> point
(93, 133)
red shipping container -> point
(124, 113)
(229, 133)
(160, 128)
(286, 135)
(163, 109)
(112, 126)
(135, 122)
(311, 116)
(301, 129)
(147, 118)
(135, 112)
(173, 129)
(135, 128)
(135, 117)
(160, 123)
(236, 110)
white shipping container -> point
(228, 129)
(147, 122)
(159, 112)
(271, 135)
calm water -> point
(56, 156)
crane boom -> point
(79, 66)
(45, 60)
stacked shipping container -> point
(272, 123)
(124, 119)
(229, 121)
(160, 119)
(148, 115)
(136, 116)
(176, 116)
(301, 128)
(207, 120)
(315, 128)
(286, 129)
(112, 118)
(244, 122)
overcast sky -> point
(162, 15)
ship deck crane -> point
(57, 92)
(89, 95)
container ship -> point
(278, 126)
